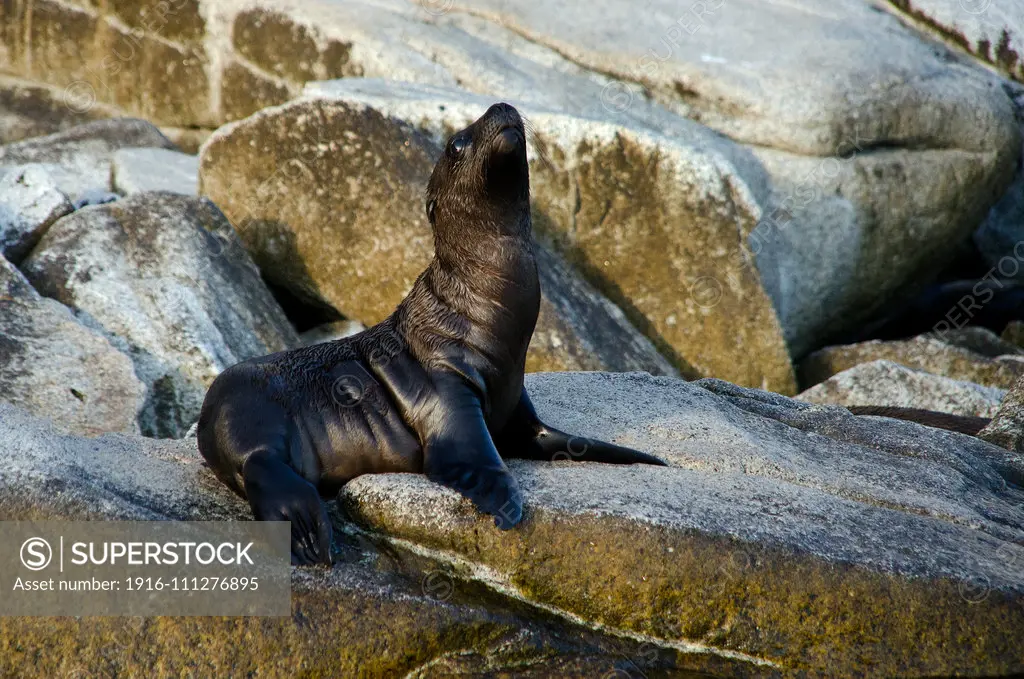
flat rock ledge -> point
(797, 539)
(374, 614)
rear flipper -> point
(526, 437)
(277, 493)
(557, 445)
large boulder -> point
(376, 613)
(884, 383)
(928, 353)
(30, 202)
(166, 279)
(57, 368)
(798, 539)
(328, 197)
(80, 158)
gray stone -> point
(29, 203)
(578, 328)
(80, 158)
(884, 383)
(927, 353)
(1000, 238)
(1013, 334)
(376, 613)
(165, 278)
(57, 368)
(791, 536)
(138, 170)
(724, 64)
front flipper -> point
(526, 437)
(277, 493)
(458, 453)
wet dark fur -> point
(929, 418)
(436, 388)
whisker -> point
(538, 144)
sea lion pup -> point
(436, 388)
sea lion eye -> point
(458, 145)
(431, 207)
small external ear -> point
(431, 207)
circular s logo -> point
(36, 554)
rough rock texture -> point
(56, 368)
(29, 203)
(376, 613)
(328, 197)
(1007, 427)
(924, 352)
(164, 277)
(981, 341)
(1000, 238)
(138, 170)
(884, 383)
(79, 158)
(797, 537)
(96, 54)
(188, 139)
(990, 30)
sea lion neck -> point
(481, 291)
(491, 265)
(484, 301)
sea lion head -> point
(481, 183)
